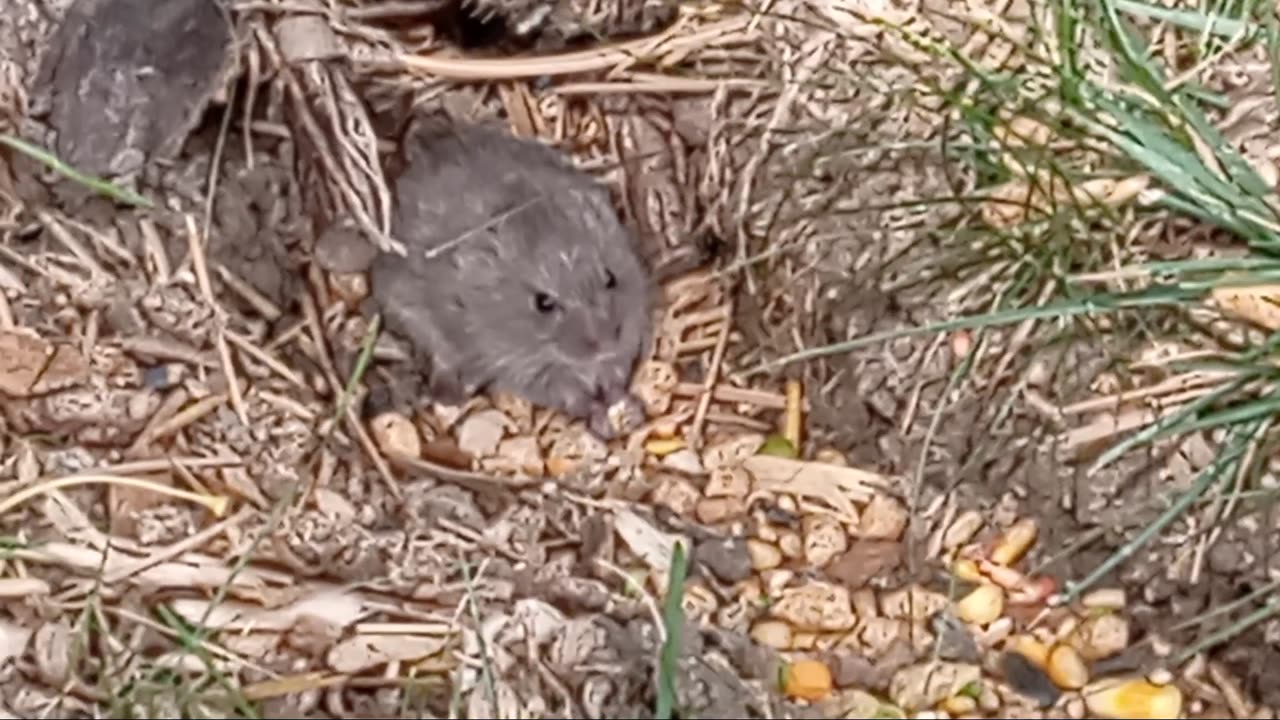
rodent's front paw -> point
(446, 388)
(610, 421)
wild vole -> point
(519, 276)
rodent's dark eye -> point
(543, 302)
(610, 282)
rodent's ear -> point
(420, 130)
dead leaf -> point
(13, 640)
(334, 505)
(169, 574)
(839, 486)
(333, 606)
(53, 651)
(255, 645)
(291, 684)
(650, 544)
(22, 357)
(28, 465)
(685, 460)
(31, 366)
(23, 587)
(363, 652)
(927, 684)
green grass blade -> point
(1234, 414)
(1225, 462)
(1177, 164)
(363, 360)
(1187, 19)
(1211, 264)
(673, 620)
(1172, 423)
(97, 184)
(1100, 302)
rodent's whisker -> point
(434, 252)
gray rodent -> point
(520, 277)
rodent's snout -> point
(606, 391)
(612, 383)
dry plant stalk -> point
(216, 504)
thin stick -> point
(575, 62)
(216, 504)
(713, 376)
(176, 549)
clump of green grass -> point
(1115, 109)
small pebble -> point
(728, 558)
(396, 435)
(1103, 636)
(732, 482)
(775, 634)
(831, 456)
(677, 494)
(480, 432)
(716, 510)
(824, 539)
(684, 460)
(956, 643)
(816, 606)
(883, 519)
(1029, 680)
(849, 668)
(161, 377)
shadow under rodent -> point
(519, 276)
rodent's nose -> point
(607, 392)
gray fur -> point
(509, 218)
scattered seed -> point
(1136, 699)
